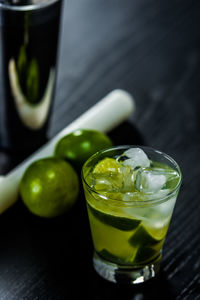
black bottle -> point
(29, 33)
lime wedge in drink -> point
(145, 254)
(107, 165)
(118, 222)
(113, 258)
(148, 241)
(143, 237)
(108, 178)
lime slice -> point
(158, 233)
(107, 165)
(118, 222)
(145, 254)
(108, 170)
(105, 254)
(143, 237)
(148, 244)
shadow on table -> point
(9, 159)
(157, 288)
(126, 134)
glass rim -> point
(28, 7)
(148, 202)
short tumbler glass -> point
(129, 211)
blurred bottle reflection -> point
(30, 35)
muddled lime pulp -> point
(125, 234)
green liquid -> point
(130, 244)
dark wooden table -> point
(150, 48)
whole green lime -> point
(49, 187)
(80, 144)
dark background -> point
(150, 48)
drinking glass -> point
(130, 199)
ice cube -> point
(101, 182)
(135, 212)
(136, 158)
(148, 181)
(171, 175)
(105, 182)
(128, 179)
(153, 219)
(166, 208)
(159, 215)
(130, 196)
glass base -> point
(125, 274)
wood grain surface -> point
(150, 48)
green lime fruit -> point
(49, 187)
(79, 145)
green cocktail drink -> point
(130, 194)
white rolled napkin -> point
(108, 113)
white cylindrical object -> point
(115, 108)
